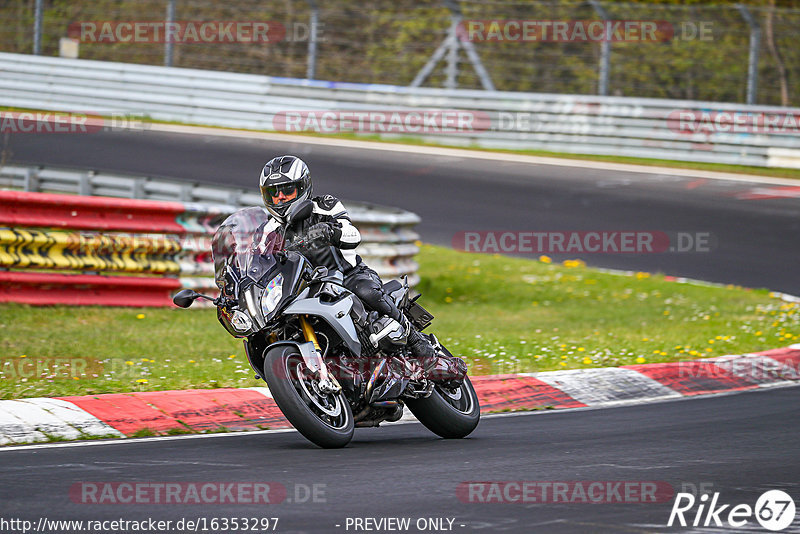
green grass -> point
(515, 315)
(501, 314)
(409, 140)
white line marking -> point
(601, 406)
(607, 384)
(264, 391)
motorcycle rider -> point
(286, 180)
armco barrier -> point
(86, 290)
(78, 250)
(622, 126)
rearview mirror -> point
(298, 212)
(185, 298)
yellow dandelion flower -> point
(640, 360)
(140, 316)
(545, 259)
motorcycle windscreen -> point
(243, 243)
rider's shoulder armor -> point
(329, 205)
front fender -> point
(307, 351)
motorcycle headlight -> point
(272, 295)
(241, 322)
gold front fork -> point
(327, 383)
(308, 332)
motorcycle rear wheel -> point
(324, 419)
(449, 413)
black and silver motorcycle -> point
(330, 364)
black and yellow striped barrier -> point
(58, 250)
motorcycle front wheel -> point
(449, 413)
(324, 419)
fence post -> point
(450, 46)
(755, 45)
(38, 14)
(168, 44)
(605, 50)
(452, 57)
(311, 68)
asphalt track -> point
(755, 242)
(738, 445)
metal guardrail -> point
(95, 236)
(620, 126)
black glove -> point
(320, 232)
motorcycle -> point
(329, 364)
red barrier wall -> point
(86, 290)
(19, 208)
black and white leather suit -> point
(339, 254)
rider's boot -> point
(435, 363)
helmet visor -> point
(275, 195)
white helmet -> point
(284, 181)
